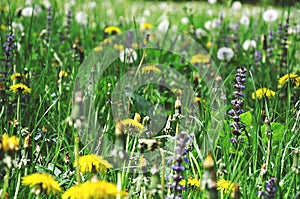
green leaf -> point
(277, 129)
(246, 118)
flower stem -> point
(76, 153)
(5, 185)
(18, 108)
(18, 185)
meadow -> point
(149, 99)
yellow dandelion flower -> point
(119, 47)
(62, 74)
(260, 93)
(132, 126)
(10, 143)
(135, 45)
(200, 58)
(3, 27)
(20, 89)
(15, 76)
(93, 163)
(199, 99)
(144, 26)
(294, 78)
(137, 117)
(112, 30)
(225, 185)
(150, 68)
(98, 48)
(191, 182)
(107, 41)
(177, 91)
(208, 44)
(95, 190)
(41, 182)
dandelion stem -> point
(76, 153)
(18, 108)
(119, 185)
(5, 185)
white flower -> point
(46, 3)
(249, 44)
(200, 32)
(209, 12)
(81, 18)
(29, 11)
(163, 6)
(212, 1)
(207, 25)
(92, 4)
(184, 20)
(245, 20)
(17, 26)
(236, 5)
(128, 55)
(109, 12)
(163, 26)
(174, 27)
(147, 13)
(270, 15)
(225, 53)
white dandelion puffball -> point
(185, 20)
(249, 44)
(81, 18)
(29, 11)
(17, 26)
(147, 13)
(163, 26)
(212, 1)
(128, 55)
(236, 5)
(270, 15)
(245, 20)
(207, 25)
(225, 53)
(200, 32)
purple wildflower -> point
(238, 103)
(270, 189)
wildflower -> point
(20, 89)
(238, 102)
(225, 186)
(163, 26)
(182, 140)
(81, 18)
(225, 53)
(119, 47)
(29, 11)
(191, 182)
(62, 74)
(128, 55)
(199, 99)
(270, 15)
(15, 76)
(132, 126)
(294, 78)
(236, 5)
(200, 58)
(200, 32)
(185, 20)
(260, 93)
(270, 189)
(95, 190)
(150, 68)
(145, 26)
(245, 20)
(10, 143)
(93, 163)
(147, 13)
(212, 1)
(249, 44)
(112, 30)
(41, 182)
